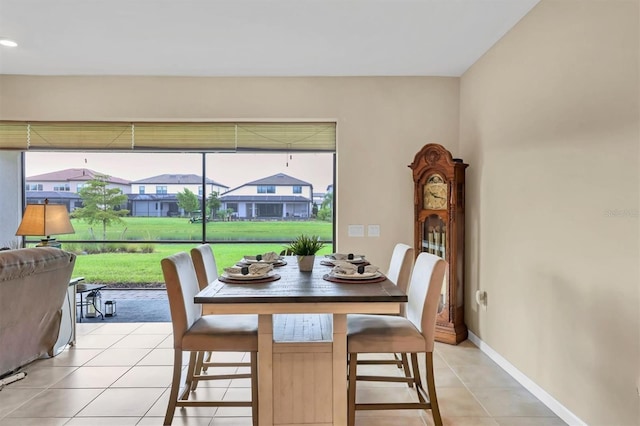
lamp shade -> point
(44, 220)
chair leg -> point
(416, 377)
(405, 367)
(431, 386)
(175, 386)
(189, 376)
(351, 397)
(207, 358)
(198, 369)
(254, 387)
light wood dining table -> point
(302, 362)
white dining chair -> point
(204, 262)
(411, 334)
(399, 272)
(197, 333)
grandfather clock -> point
(439, 229)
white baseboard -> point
(551, 403)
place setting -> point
(255, 273)
(270, 258)
(336, 258)
(345, 272)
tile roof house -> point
(156, 195)
(62, 186)
(274, 197)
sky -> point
(229, 169)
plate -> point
(356, 259)
(356, 276)
(248, 277)
(260, 261)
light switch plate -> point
(356, 231)
(373, 230)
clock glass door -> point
(434, 233)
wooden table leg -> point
(339, 369)
(265, 369)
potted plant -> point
(305, 248)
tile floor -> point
(119, 374)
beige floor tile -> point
(162, 356)
(34, 421)
(105, 421)
(118, 357)
(166, 343)
(122, 402)
(462, 421)
(72, 357)
(529, 421)
(165, 328)
(91, 377)
(459, 402)
(12, 398)
(118, 328)
(484, 376)
(83, 328)
(148, 341)
(383, 420)
(387, 395)
(42, 376)
(231, 421)
(145, 377)
(235, 394)
(465, 353)
(177, 421)
(57, 403)
(160, 407)
(97, 341)
(511, 402)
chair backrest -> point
(205, 264)
(424, 294)
(182, 285)
(400, 267)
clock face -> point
(435, 193)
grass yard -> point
(171, 228)
(143, 269)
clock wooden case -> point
(439, 229)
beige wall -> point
(549, 124)
(382, 123)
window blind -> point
(184, 136)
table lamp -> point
(45, 219)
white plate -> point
(247, 277)
(260, 261)
(356, 259)
(356, 276)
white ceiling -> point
(252, 37)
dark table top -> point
(83, 288)
(301, 287)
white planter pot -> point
(305, 263)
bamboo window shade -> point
(184, 136)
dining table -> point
(302, 335)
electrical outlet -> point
(481, 299)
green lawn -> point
(144, 268)
(170, 228)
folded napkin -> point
(342, 256)
(346, 268)
(253, 269)
(271, 256)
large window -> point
(229, 214)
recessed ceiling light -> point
(8, 43)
